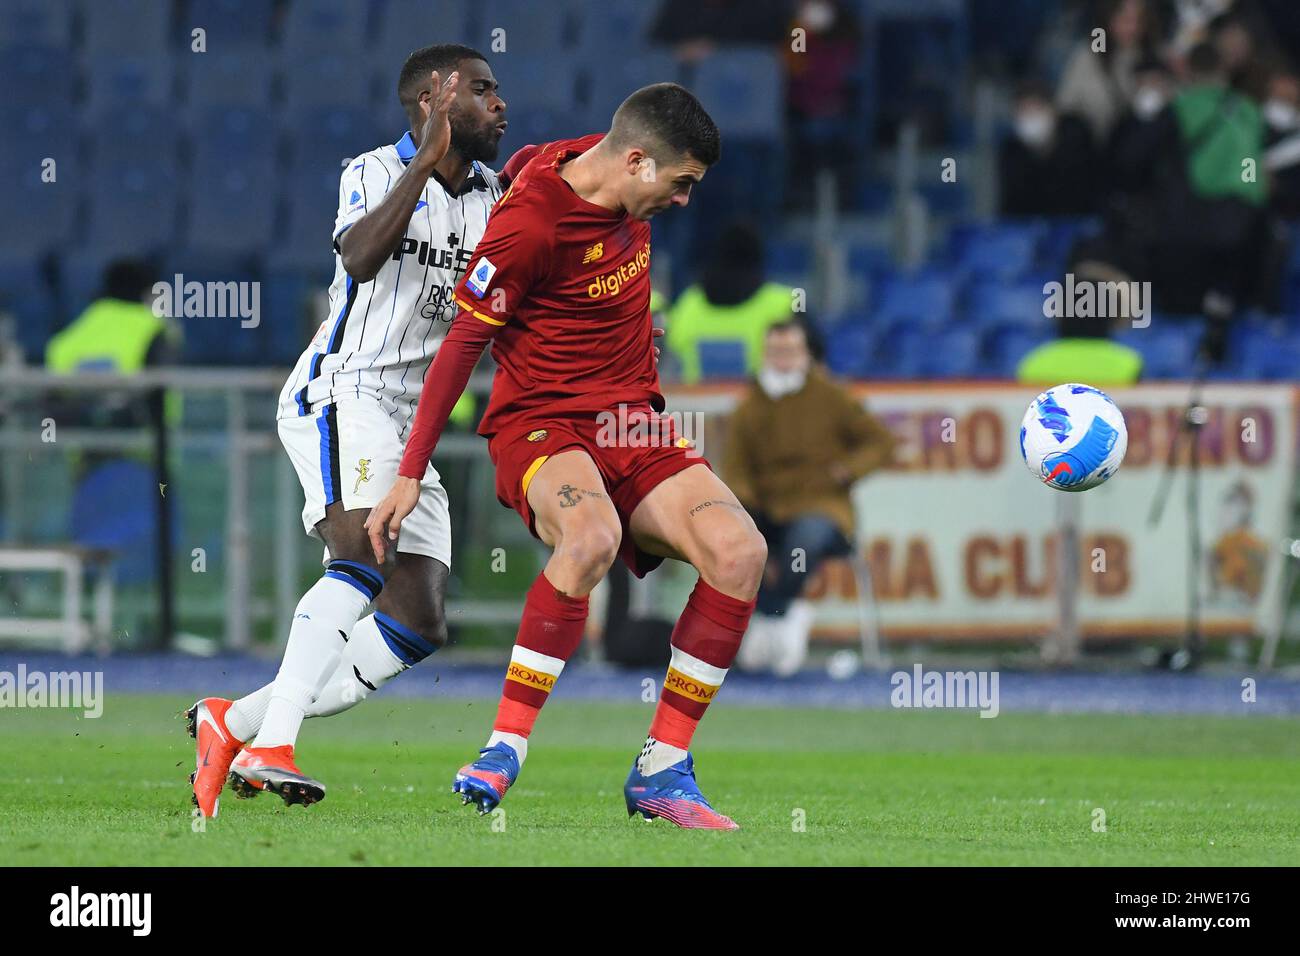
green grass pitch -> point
(807, 787)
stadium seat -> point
(742, 89)
(850, 348)
(114, 508)
(722, 359)
(1004, 347)
(117, 27)
(40, 215)
(133, 206)
(230, 209)
(26, 294)
(45, 23)
(326, 137)
(1020, 303)
(31, 74)
(621, 25)
(114, 81)
(611, 77)
(407, 25)
(304, 245)
(324, 81)
(530, 27)
(1002, 250)
(288, 319)
(316, 27)
(233, 133)
(541, 98)
(132, 134)
(1168, 346)
(924, 298)
(228, 24)
(1059, 240)
(789, 260)
(216, 340)
(237, 79)
(952, 353)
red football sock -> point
(549, 632)
(704, 643)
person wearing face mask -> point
(1045, 167)
(1281, 112)
(1143, 142)
(796, 444)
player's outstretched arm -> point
(443, 385)
(371, 239)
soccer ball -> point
(1073, 437)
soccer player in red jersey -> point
(560, 285)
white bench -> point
(70, 631)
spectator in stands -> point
(797, 443)
(733, 302)
(117, 332)
(1084, 352)
(822, 87)
(1142, 130)
(1097, 86)
(1045, 168)
(695, 28)
(1281, 112)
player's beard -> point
(474, 143)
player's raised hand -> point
(386, 518)
(435, 137)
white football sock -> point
(514, 740)
(324, 616)
(245, 716)
(657, 755)
(367, 664)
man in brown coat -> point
(797, 443)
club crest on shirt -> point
(478, 281)
(537, 435)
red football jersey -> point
(562, 287)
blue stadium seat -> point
(951, 353)
(81, 278)
(1005, 346)
(925, 299)
(31, 74)
(541, 98)
(621, 25)
(407, 25)
(238, 79)
(789, 260)
(233, 133)
(122, 27)
(45, 23)
(228, 24)
(1001, 250)
(1265, 351)
(230, 207)
(897, 351)
(114, 508)
(611, 78)
(39, 215)
(133, 206)
(215, 340)
(116, 81)
(329, 80)
(1059, 241)
(132, 134)
(530, 27)
(313, 28)
(25, 292)
(850, 349)
(287, 298)
(722, 360)
(326, 137)
(1008, 303)
(1168, 346)
(305, 243)
(742, 89)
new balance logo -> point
(593, 253)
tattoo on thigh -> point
(709, 504)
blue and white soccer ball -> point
(1073, 437)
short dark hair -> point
(1204, 59)
(442, 57)
(666, 119)
(127, 279)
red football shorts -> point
(630, 466)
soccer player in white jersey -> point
(409, 217)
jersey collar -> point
(476, 180)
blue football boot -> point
(485, 781)
(674, 795)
